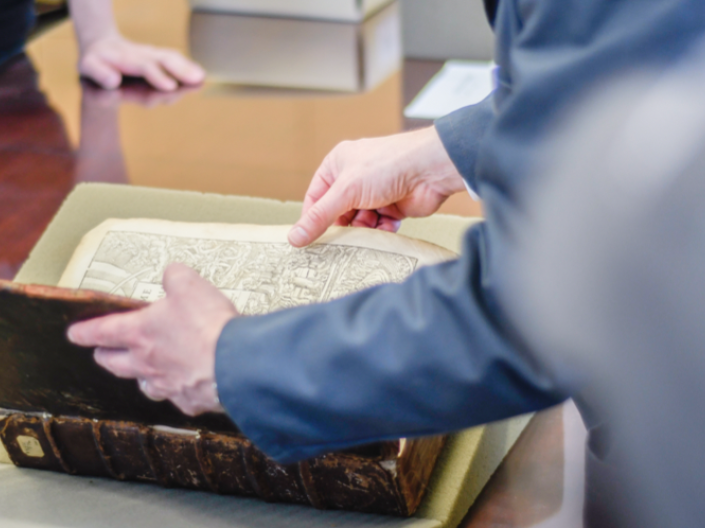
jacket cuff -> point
(462, 133)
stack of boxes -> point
(331, 45)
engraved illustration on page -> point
(258, 277)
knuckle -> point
(145, 50)
(146, 352)
(317, 215)
(339, 151)
(352, 191)
(149, 69)
(100, 334)
(132, 337)
(85, 64)
(172, 56)
(123, 57)
(178, 278)
(176, 270)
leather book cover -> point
(60, 411)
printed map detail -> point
(258, 277)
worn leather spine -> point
(378, 482)
(48, 383)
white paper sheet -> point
(458, 84)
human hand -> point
(170, 345)
(106, 59)
(376, 183)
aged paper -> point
(253, 265)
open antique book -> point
(88, 422)
(253, 265)
(65, 414)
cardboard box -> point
(295, 53)
(466, 464)
(343, 10)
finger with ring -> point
(145, 388)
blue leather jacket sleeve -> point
(417, 358)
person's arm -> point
(105, 55)
(462, 133)
(423, 357)
(378, 182)
(168, 346)
(428, 356)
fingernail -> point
(69, 334)
(298, 236)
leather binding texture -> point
(59, 411)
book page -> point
(253, 265)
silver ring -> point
(144, 387)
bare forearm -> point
(92, 19)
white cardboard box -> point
(296, 53)
(347, 10)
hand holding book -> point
(168, 346)
(104, 426)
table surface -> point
(225, 139)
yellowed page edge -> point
(425, 252)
